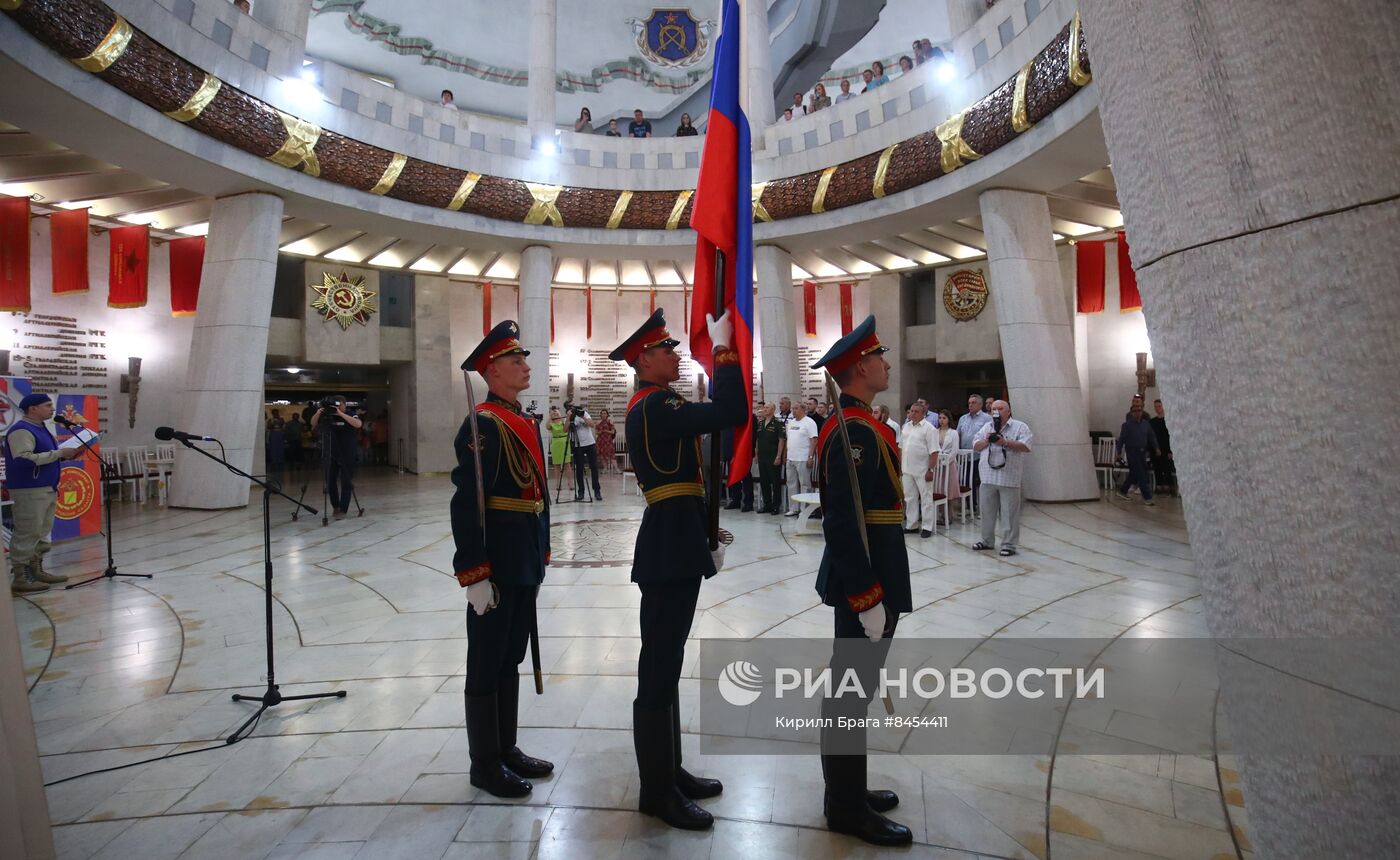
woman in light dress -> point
(948, 453)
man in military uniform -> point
(673, 552)
(769, 441)
(864, 574)
(502, 550)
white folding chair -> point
(112, 461)
(1104, 451)
(940, 493)
(136, 465)
(966, 457)
(159, 468)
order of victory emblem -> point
(672, 37)
(965, 294)
(343, 300)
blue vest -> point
(22, 473)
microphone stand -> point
(271, 697)
(109, 475)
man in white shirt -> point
(883, 413)
(801, 449)
(448, 101)
(1004, 444)
(585, 453)
(918, 454)
(968, 425)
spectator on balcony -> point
(934, 54)
(920, 55)
(819, 97)
(798, 109)
(243, 6)
(869, 77)
(787, 115)
(612, 129)
(639, 126)
(686, 129)
(584, 123)
(447, 100)
(878, 69)
(906, 65)
(845, 94)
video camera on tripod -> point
(573, 409)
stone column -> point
(1268, 277)
(760, 69)
(777, 328)
(224, 385)
(536, 275)
(417, 388)
(962, 14)
(543, 22)
(887, 304)
(1037, 345)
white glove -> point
(721, 330)
(479, 596)
(718, 555)
(873, 620)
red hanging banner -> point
(14, 253)
(486, 308)
(809, 308)
(186, 269)
(1088, 276)
(551, 316)
(846, 312)
(685, 307)
(126, 276)
(68, 235)
(588, 312)
(651, 308)
(1129, 299)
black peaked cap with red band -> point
(503, 340)
(652, 333)
(861, 342)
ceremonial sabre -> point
(835, 397)
(535, 419)
(480, 488)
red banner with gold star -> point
(129, 262)
(486, 308)
(847, 313)
(809, 308)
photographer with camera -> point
(335, 418)
(581, 426)
(1004, 443)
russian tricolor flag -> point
(723, 216)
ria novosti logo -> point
(740, 683)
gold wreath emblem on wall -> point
(965, 294)
(343, 299)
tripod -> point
(110, 475)
(271, 697)
(329, 466)
(570, 443)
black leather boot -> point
(488, 772)
(880, 800)
(847, 808)
(508, 707)
(651, 734)
(693, 787)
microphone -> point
(165, 434)
(64, 422)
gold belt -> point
(670, 491)
(884, 518)
(505, 503)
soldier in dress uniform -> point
(673, 552)
(867, 590)
(500, 559)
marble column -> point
(416, 388)
(290, 18)
(887, 304)
(543, 60)
(536, 275)
(962, 14)
(224, 384)
(759, 74)
(1037, 345)
(1268, 276)
(777, 329)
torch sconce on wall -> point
(4, 362)
(131, 386)
(1145, 378)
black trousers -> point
(668, 609)
(769, 479)
(852, 650)
(586, 455)
(340, 479)
(976, 482)
(496, 641)
(1164, 470)
(743, 491)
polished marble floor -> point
(133, 669)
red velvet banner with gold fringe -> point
(186, 270)
(128, 267)
(14, 253)
(68, 243)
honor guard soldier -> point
(673, 551)
(500, 522)
(864, 573)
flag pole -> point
(715, 437)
